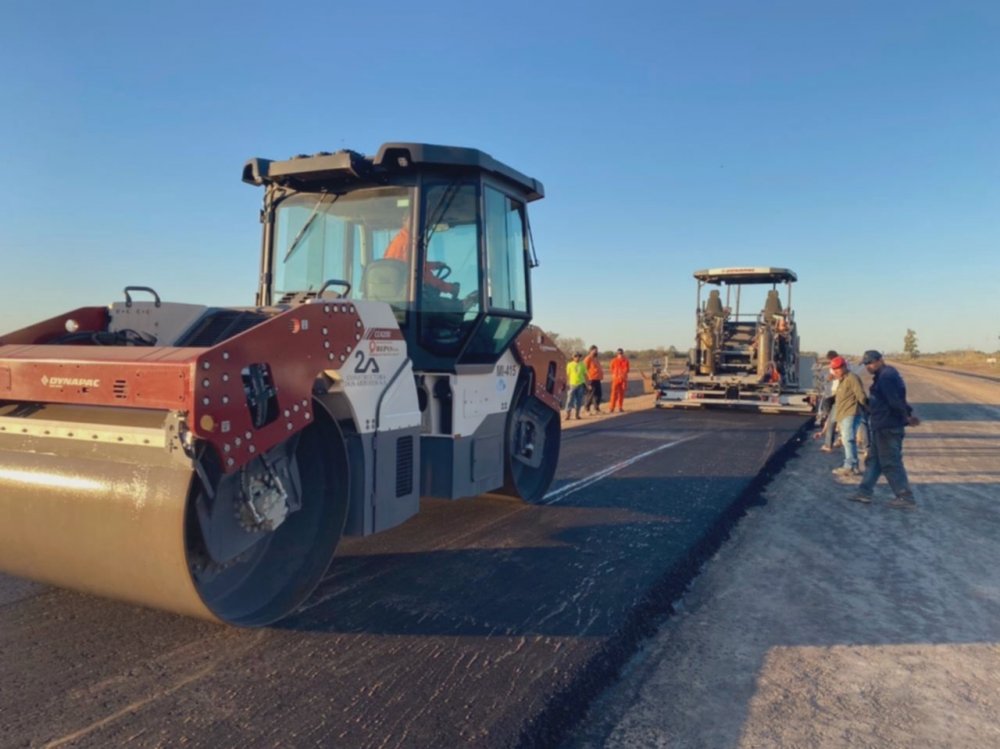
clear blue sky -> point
(854, 142)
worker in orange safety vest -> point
(594, 376)
(619, 380)
(399, 249)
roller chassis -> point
(214, 389)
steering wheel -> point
(440, 270)
(470, 300)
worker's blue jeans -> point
(886, 457)
(575, 400)
(848, 435)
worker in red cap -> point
(851, 401)
(619, 380)
(827, 413)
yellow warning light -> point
(207, 423)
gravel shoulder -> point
(827, 623)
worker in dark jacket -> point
(890, 414)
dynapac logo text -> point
(76, 382)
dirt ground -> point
(826, 623)
(979, 364)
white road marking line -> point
(564, 491)
(641, 434)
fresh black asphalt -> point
(484, 622)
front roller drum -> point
(122, 521)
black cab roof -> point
(345, 168)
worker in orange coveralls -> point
(619, 380)
(399, 249)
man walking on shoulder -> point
(890, 415)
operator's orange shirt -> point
(399, 247)
(619, 369)
(594, 371)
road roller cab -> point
(439, 233)
(207, 460)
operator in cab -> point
(399, 249)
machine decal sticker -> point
(384, 334)
(368, 379)
(80, 382)
(508, 370)
(385, 341)
(365, 365)
(366, 372)
(385, 349)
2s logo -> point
(365, 364)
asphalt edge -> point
(568, 707)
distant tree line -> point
(570, 345)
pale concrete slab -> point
(826, 623)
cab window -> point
(506, 256)
(323, 236)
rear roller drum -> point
(531, 448)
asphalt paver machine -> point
(207, 460)
(746, 352)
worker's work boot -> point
(846, 472)
(902, 502)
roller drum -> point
(97, 500)
(100, 518)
